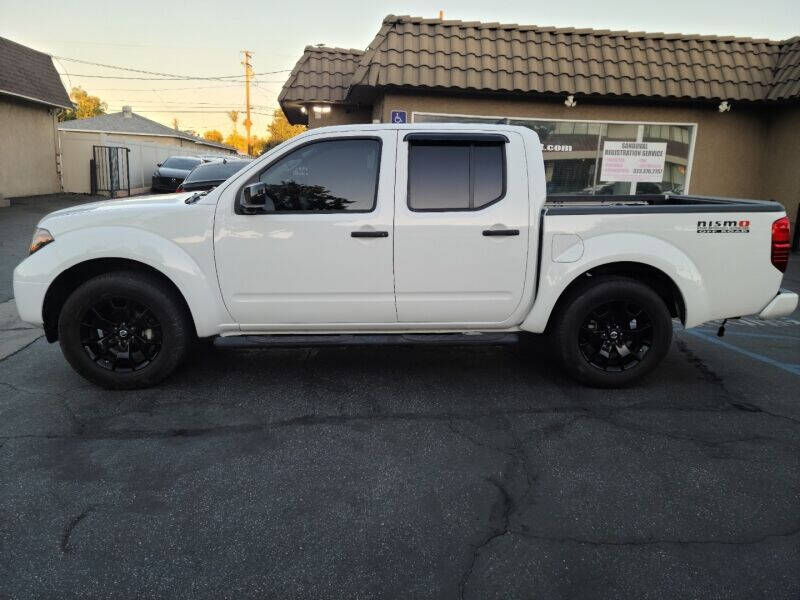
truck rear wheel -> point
(124, 330)
(610, 331)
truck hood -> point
(112, 212)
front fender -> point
(618, 248)
(187, 262)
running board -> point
(358, 339)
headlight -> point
(40, 239)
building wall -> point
(782, 159)
(340, 115)
(27, 149)
(145, 153)
(729, 152)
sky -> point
(204, 38)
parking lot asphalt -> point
(408, 472)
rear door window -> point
(455, 175)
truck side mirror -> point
(254, 196)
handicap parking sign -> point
(399, 116)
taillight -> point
(781, 244)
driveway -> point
(425, 472)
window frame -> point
(254, 178)
(461, 139)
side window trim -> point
(254, 178)
(472, 141)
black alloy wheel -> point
(120, 334)
(616, 336)
(610, 330)
(125, 329)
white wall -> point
(145, 153)
(27, 149)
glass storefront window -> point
(573, 152)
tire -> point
(158, 337)
(597, 323)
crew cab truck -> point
(383, 231)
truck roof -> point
(426, 127)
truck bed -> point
(652, 203)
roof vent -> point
(127, 112)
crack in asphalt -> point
(491, 536)
(698, 363)
(518, 463)
(71, 525)
(709, 375)
(21, 348)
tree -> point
(233, 115)
(86, 106)
(279, 130)
(237, 140)
(213, 135)
(176, 125)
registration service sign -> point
(633, 161)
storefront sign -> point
(633, 161)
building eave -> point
(35, 100)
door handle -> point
(361, 234)
(496, 232)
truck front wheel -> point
(124, 330)
(609, 331)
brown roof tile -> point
(433, 53)
(415, 52)
(786, 83)
(322, 74)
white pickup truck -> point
(369, 233)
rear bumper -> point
(783, 304)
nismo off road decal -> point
(723, 226)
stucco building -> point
(31, 96)
(727, 108)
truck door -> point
(321, 252)
(461, 227)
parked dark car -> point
(171, 173)
(209, 175)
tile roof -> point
(433, 53)
(133, 125)
(322, 74)
(474, 56)
(30, 74)
(786, 83)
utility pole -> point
(248, 72)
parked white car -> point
(384, 231)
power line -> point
(196, 87)
(161, 75)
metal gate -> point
(110, 170)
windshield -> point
(215, 171)
(178, 162)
